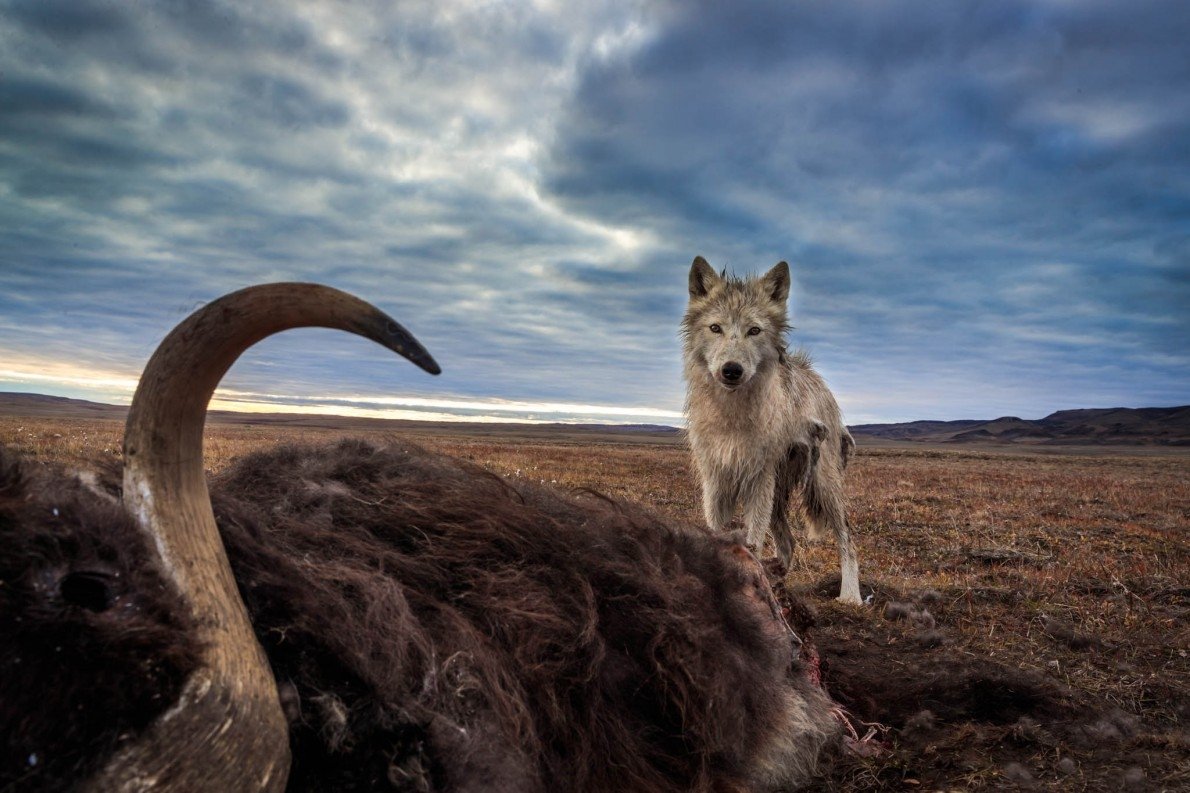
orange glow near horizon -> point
(118, 387)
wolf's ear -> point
(702, 278)
(776, 283)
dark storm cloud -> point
(1001, 189)
(156, 155)
(986, 204)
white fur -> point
(774, 429)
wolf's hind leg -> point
(781, 530)
(790, 476)
(801, 467)
(848, 567)
(825, 509)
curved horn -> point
(226, 732)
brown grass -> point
(1074, 567)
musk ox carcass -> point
(372, 617)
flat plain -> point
(1029, 620)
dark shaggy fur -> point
(432, 627)
(93, 644)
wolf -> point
(761, 422)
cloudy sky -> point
(986, 205)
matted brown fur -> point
(433, 627)
(93, 644)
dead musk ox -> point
(363, 617)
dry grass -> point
(1074, 567)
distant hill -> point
(1087, 427)
(19, 404)
(1105, 426)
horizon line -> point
(327, 407)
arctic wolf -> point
(761, 422)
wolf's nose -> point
(732, 372)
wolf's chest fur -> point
(745, 430)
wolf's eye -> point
(715, 328)
(753, 331)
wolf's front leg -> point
(718, 501)
(756, 498)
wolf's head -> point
(734, 328)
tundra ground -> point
(1029, 625)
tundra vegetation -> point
(1029, 623)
